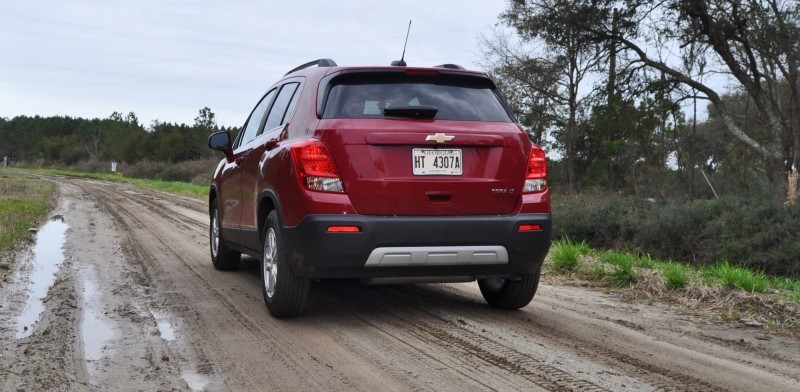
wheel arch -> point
(212, 195)
(267, 202)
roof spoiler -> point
(449, 66)
(320, 62)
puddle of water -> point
(165, 328)
(47, 259)
(195, 380)
(96, 330)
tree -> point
(755, 43)
(556, 76)
(92, 136)
(205, 119)
(528, 83)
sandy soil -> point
(136, 305)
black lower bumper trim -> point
(316, 253)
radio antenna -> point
(402, 62)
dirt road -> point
(136, 305)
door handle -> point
(240, 159)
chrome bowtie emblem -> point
(439, 138)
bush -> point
(197, 172)
(760, 234)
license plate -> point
(429, 162)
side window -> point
(292, 104)
(251, 129)
(278, 111)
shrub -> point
(760, 233)
(197, 172)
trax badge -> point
(439, 138)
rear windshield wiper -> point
(420, 111)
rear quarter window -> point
(368, 99)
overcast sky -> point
(168, 59)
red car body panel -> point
(377, 166)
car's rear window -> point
(454, 101)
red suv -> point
(385, 174)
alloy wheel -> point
(270, 264)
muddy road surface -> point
(118, 293)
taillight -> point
(536, 175)
(316, 168)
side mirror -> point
(221, 141)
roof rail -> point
(320, 62)
(450, 66)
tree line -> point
(613, 88)
(66, 140)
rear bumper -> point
(388, 247)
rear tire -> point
(285, 294)
(223, 258)
(509, 294)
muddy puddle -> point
(39, 270)
(165, 328)
(96, 328)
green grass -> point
(676, 275)
(23, 203)
(790, 286)
(596, 272)
(736, 277)
(180, 188)
(618, 268)
(622, 273)
(564, 254)
(645, 261)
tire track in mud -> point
(642, 363)
(127, 210)
(245, 321)
(138, 256)
(661, 378)
(439, 336)
(469, 347)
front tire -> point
(223, 258)
(510, 294)
(285, 294)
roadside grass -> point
(735, 277)
(676, 275)
(621, 263)
(180, 188)
(565, 254)
(722, 289)
(23, 203)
